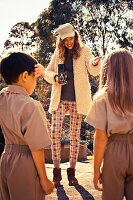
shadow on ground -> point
(85, 195)
(61, 194)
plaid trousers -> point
(75, 125)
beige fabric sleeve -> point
(93, 70)
(97, 115)
(50, 70)
(34, 126)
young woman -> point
(73, 97)
(112, 116)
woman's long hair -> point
(117, 76)
(76, 49)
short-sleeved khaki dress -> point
(117, 173)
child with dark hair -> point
(112, 116)
(23, 122)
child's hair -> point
(14, 64)
(117, 76)
(76, 49)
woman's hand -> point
(96, 60)
(57, 81)
(39, 71)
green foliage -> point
(102, 24)
(42, 93)
(2, 83)
(107, 24)
(22, 37)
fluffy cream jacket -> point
(81, 67)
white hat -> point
(66, 30)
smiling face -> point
(69, 42)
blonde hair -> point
(76, 49)
(117, 77)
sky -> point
(14, 11)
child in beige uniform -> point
(112, 116)
(23, 123)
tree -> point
(23, 37)
(102, 24)
(107, 24)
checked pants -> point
(75, 125)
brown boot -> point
(57, 176)
(71, 177)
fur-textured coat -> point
(81, 67)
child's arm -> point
(38, 157)
(99, 149)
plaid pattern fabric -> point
(75, 125)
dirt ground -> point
(85, 190)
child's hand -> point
(96, 60)
(39, 71)
(47, 185)
(97, 180)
